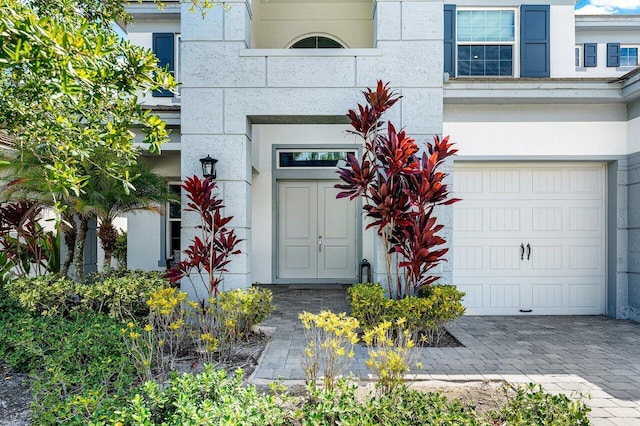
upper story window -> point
(485, 42)
(166, 48)
(317, 42)
(628, 56)
(499, 42)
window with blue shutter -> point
(613, 54)
(590, 55)
(535, 50)
(164, 48)
(450, 39)
(485, 42)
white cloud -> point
(617, 4)
(595, 10)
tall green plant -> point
(400, 189)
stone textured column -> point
(209, 64)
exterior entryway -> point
(529, 238)
(316, 232)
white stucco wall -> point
(562, 35)
(143, 241)
(633, 136)
(537, 130)
(603, 36)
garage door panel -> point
(504, 219)
(473, 296)
(547, 296)
(504, 296)
(468, 257)
(546, 182)
(556, 211)
(504, 258)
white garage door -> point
(529, 238)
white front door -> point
(316, 232)
(529, 238)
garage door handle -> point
(528, 251)
(522, 251)
(319, 243)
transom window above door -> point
(313, 158)
(485, 42)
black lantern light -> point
(208, 167)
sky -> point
(608, 7)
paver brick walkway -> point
(594, 355)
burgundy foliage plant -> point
(26, 248)
(400, 186)
(209, 253)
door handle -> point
(522, 251)
(319, 243)
(528, 251)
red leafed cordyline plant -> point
(210, 252)
(400, 188)
(25, 247)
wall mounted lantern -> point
(208, 167)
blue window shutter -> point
(534, 41)
(164, 48)
(590, 55)
(450, 39)
(613, 54)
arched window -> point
(316, 42)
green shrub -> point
(121, 294)
(404, 406)
(530, 405)
(337, 405)
(444, 305)
(76, 362)
(427, 314)
(249, 307)
(369, 303)
(228, 319)
(211, 397)
(399, 407)
(46, 295)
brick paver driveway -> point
(594, 355)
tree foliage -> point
(70, 88)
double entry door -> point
(316, 232)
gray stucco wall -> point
(633, 229)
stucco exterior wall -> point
(144, 231)
(227, 87)
(549, 130)
(602, 37)
(278, 25)
(633, 235)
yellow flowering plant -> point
(330, 339)
(167, 314)
(140, 343)
(391, 353)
